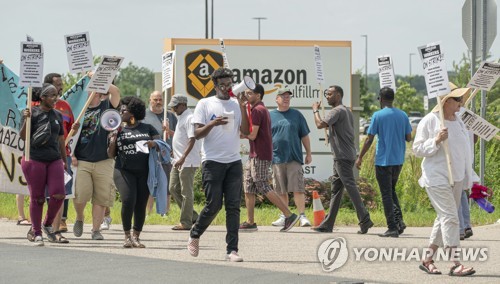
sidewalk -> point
(269, 256)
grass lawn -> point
(263, 215)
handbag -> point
(42, 135)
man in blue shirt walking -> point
(393, 129)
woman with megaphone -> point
(130, 145)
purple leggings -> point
(38, 175)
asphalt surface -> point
(269, 257)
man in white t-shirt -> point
(186, 161)
(219, 120)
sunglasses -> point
(457, 99)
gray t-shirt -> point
(156, 120)
(341, 133)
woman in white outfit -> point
(429, 143)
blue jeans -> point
(464, 213)
(221, 182)
(387, 178)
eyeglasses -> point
(224, 87)
(457, 99)
(328, 94)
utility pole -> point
(366, 60)
(259, 19)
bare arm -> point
(307, 145)
(408, 137)
(245, 125)
(114, 95)
(112, 144)
(189, 147)
(253, 134)
(317, 118)
(202, 130)
(366, 146)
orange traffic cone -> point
(319, 211)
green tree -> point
(406, 98)
(367, 99)
(133, 78)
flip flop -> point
(462, 271)
(429, 268)
(23, 222)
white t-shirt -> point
(222, 144)
(183, 132)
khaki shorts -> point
(288, 177)
(94, 181)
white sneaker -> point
(38, 242)
(304, 222)
(280, 222)
(106, 223)
(234, 257)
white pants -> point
(446, 201)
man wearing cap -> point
(340, 123)
(219, 120)
(289, 129)
(256, 176)
(393, 130)
(155, 116)
(186, 161)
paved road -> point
(270, 257)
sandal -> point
(429, 267)
(59, 238)
(23, 222)
(180, 227)
(460, 270)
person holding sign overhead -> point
(341, 133)
(94, 177)
(430, 142)
(47, 162)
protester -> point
(289, 129)
(256, 176)
(47, 162)
(155, 116)
(432, 139)
(392, 128)
(219, 120)
(186, 161)
(340, 123)
(94, 177)
(131, 179)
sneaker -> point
(245, 226)
(136, 242)
(193, 246)
(106, 223)
(290, 222)
(128, 243)
(468, 233)
(63, 227)
(304, 222)
(38, 241)
(234, 257)
(97, 236)
(78, 228)
(280, 222)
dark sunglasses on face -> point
(457, 99)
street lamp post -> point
(410, 55)
(259, 19)
(366, 60)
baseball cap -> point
(281, 91)
(177, 99)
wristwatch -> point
(315, 111)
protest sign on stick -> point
(79, 52)
(386, 72)
(318, 63)
(167, 63)
(436, 80)
(31, 75)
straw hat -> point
(456, 92)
